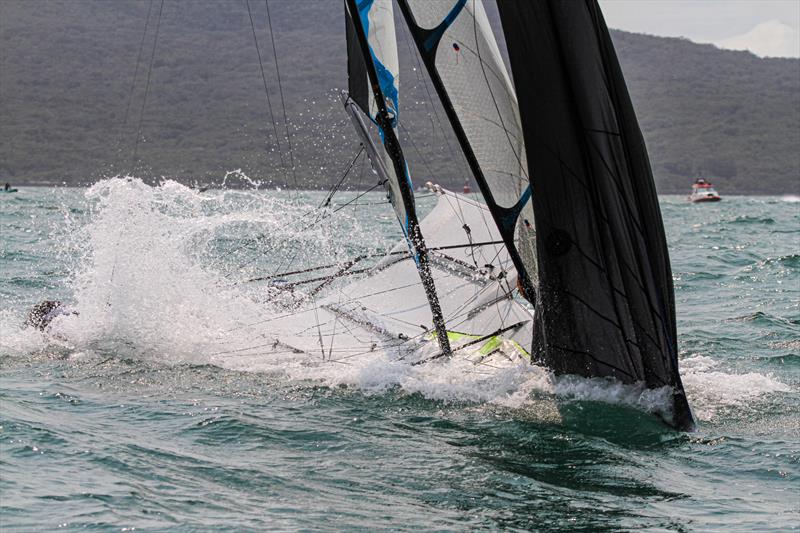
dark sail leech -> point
(605, 302)
(383, 110)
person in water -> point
(43, 313)
(7, 186)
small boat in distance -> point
(466, 189)
(7, 188)
(703, 191)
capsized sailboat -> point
(571, 220)
(562, 165)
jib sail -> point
(461, 55)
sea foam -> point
(158, 280)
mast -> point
(606, 304)
(399, 187)
(507, 192)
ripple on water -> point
(124, 423)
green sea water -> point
(125, 416)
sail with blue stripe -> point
(373, 69)
(377, 19)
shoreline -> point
(280, 188)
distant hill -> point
(67, 68)
(729, 116)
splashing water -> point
(159, 276)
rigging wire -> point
(338, 184)
(342, 206)
(360, 180)
(147, 85)
(264, 79)
(283, 103)
(422, 158)
(133, 84)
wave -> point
(157, 281)
(713, 392)
(747, 219)
(767, 319)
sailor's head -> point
(42, 314)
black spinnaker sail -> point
(605, 302)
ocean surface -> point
(135, 414)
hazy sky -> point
(765, 27)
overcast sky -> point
(765, 27)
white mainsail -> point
(459, 49)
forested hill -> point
(72, 99)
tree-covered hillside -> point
(730, 116)
(72, 98)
